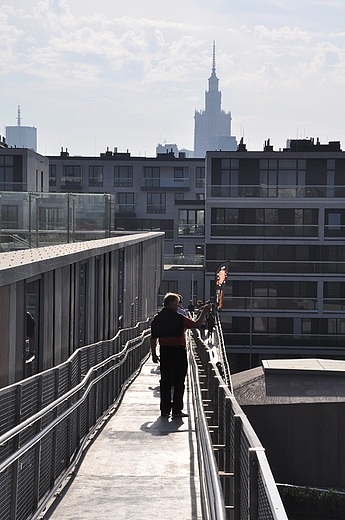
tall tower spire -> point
(212, 128)
(214, 58)
(19, 119)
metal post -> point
(251, 323)
(15, 465)
(237, 468)
(30, 222)
(68, 217)
(253, 485)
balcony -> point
(154, 184)
(191, 229)
(127, 210)
(276, 191)
(183, 260)
(264, 230)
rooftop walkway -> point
(140, 465)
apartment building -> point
(163, 193)
(276, 220)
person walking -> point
(168, 327)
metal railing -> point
(236, 480)
(47, 419)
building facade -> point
(22, 169)
(162, 193)
(277, 221)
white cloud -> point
(118, 71)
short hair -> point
(169, 298)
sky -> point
(131, 73)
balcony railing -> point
(191, 229)
(165, 183)
(276, 191)
(184, 260)
(125, 209)
(279, 266)
(265, 230)
(240, 303)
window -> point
(6, 172)
(52, 175)
(125, 202)
(334, 223)
(199, 250)
(336, 326)
(191, 222)
(9, 216)
(178, 249)
(72, 177)
(168, 286)
(156, 203)
(152, 175)
(200, 177)
(178, 173)
(123, 175)
(200, 196)
(95, 175)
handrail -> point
(249, 490)
(37, 454)
(212, 499)
(39, 415)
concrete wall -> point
(304, 443)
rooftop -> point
(291, 381)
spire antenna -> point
(19, 119)
(214, 57)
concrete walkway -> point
(140, 467)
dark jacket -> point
(167, 323)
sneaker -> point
(165, 414)
(181, 414)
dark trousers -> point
(173, 365)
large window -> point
(166, 287)
(52, 175)
(152, 175)
(264, 222)
(334, 296)
(9, 216)
(125, 202)
(191, 222)
(95, 175)
(123, 175)
(11, 173)
(72, 177)
(334, 223)
(178, 173)
(200, 177)
(224, 178)
(277, 258)
(156, 203)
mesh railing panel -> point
(264, 508)
(235, 432)
(26, 482)
(48, 388)
(54, 440)
(47, 450)
(6, 493)
(8, 409)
